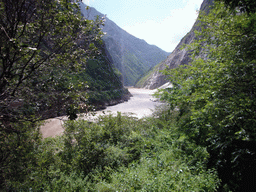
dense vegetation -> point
(215, 95)
(117, 154)
(42, 45)
(45, 52)
(103, 80)
(203, 139)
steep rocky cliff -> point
(154, 78)
(131, 56)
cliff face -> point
(131, 56)
(155, 78)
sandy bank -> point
(140, 105)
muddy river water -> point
(141, 104)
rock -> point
(177, 57)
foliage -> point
(215, 95)
(17, 154)
(45, 49)
(43, 44)
(104, 83)
(120, 153)
(169, 162)
(248, 6)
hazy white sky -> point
(159, 22)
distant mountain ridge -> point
(154, 78)
(131, 56)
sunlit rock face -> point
(131, 56)
(177, 57)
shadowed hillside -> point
(131, 56)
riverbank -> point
(140, 104)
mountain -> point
(131, 56)
(105, 86)
(154, 78)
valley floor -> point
(141, 104)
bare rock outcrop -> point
(178, 57)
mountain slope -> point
(105, 87)
(131, 56)
(154, 78)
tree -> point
(248, 6)
(42, 46)
(215, 95)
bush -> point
(120, 153)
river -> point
(140, 105)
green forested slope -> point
(132, 56)
(104, 81)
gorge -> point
(119, 45)
(77, 111)
(131, 56)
